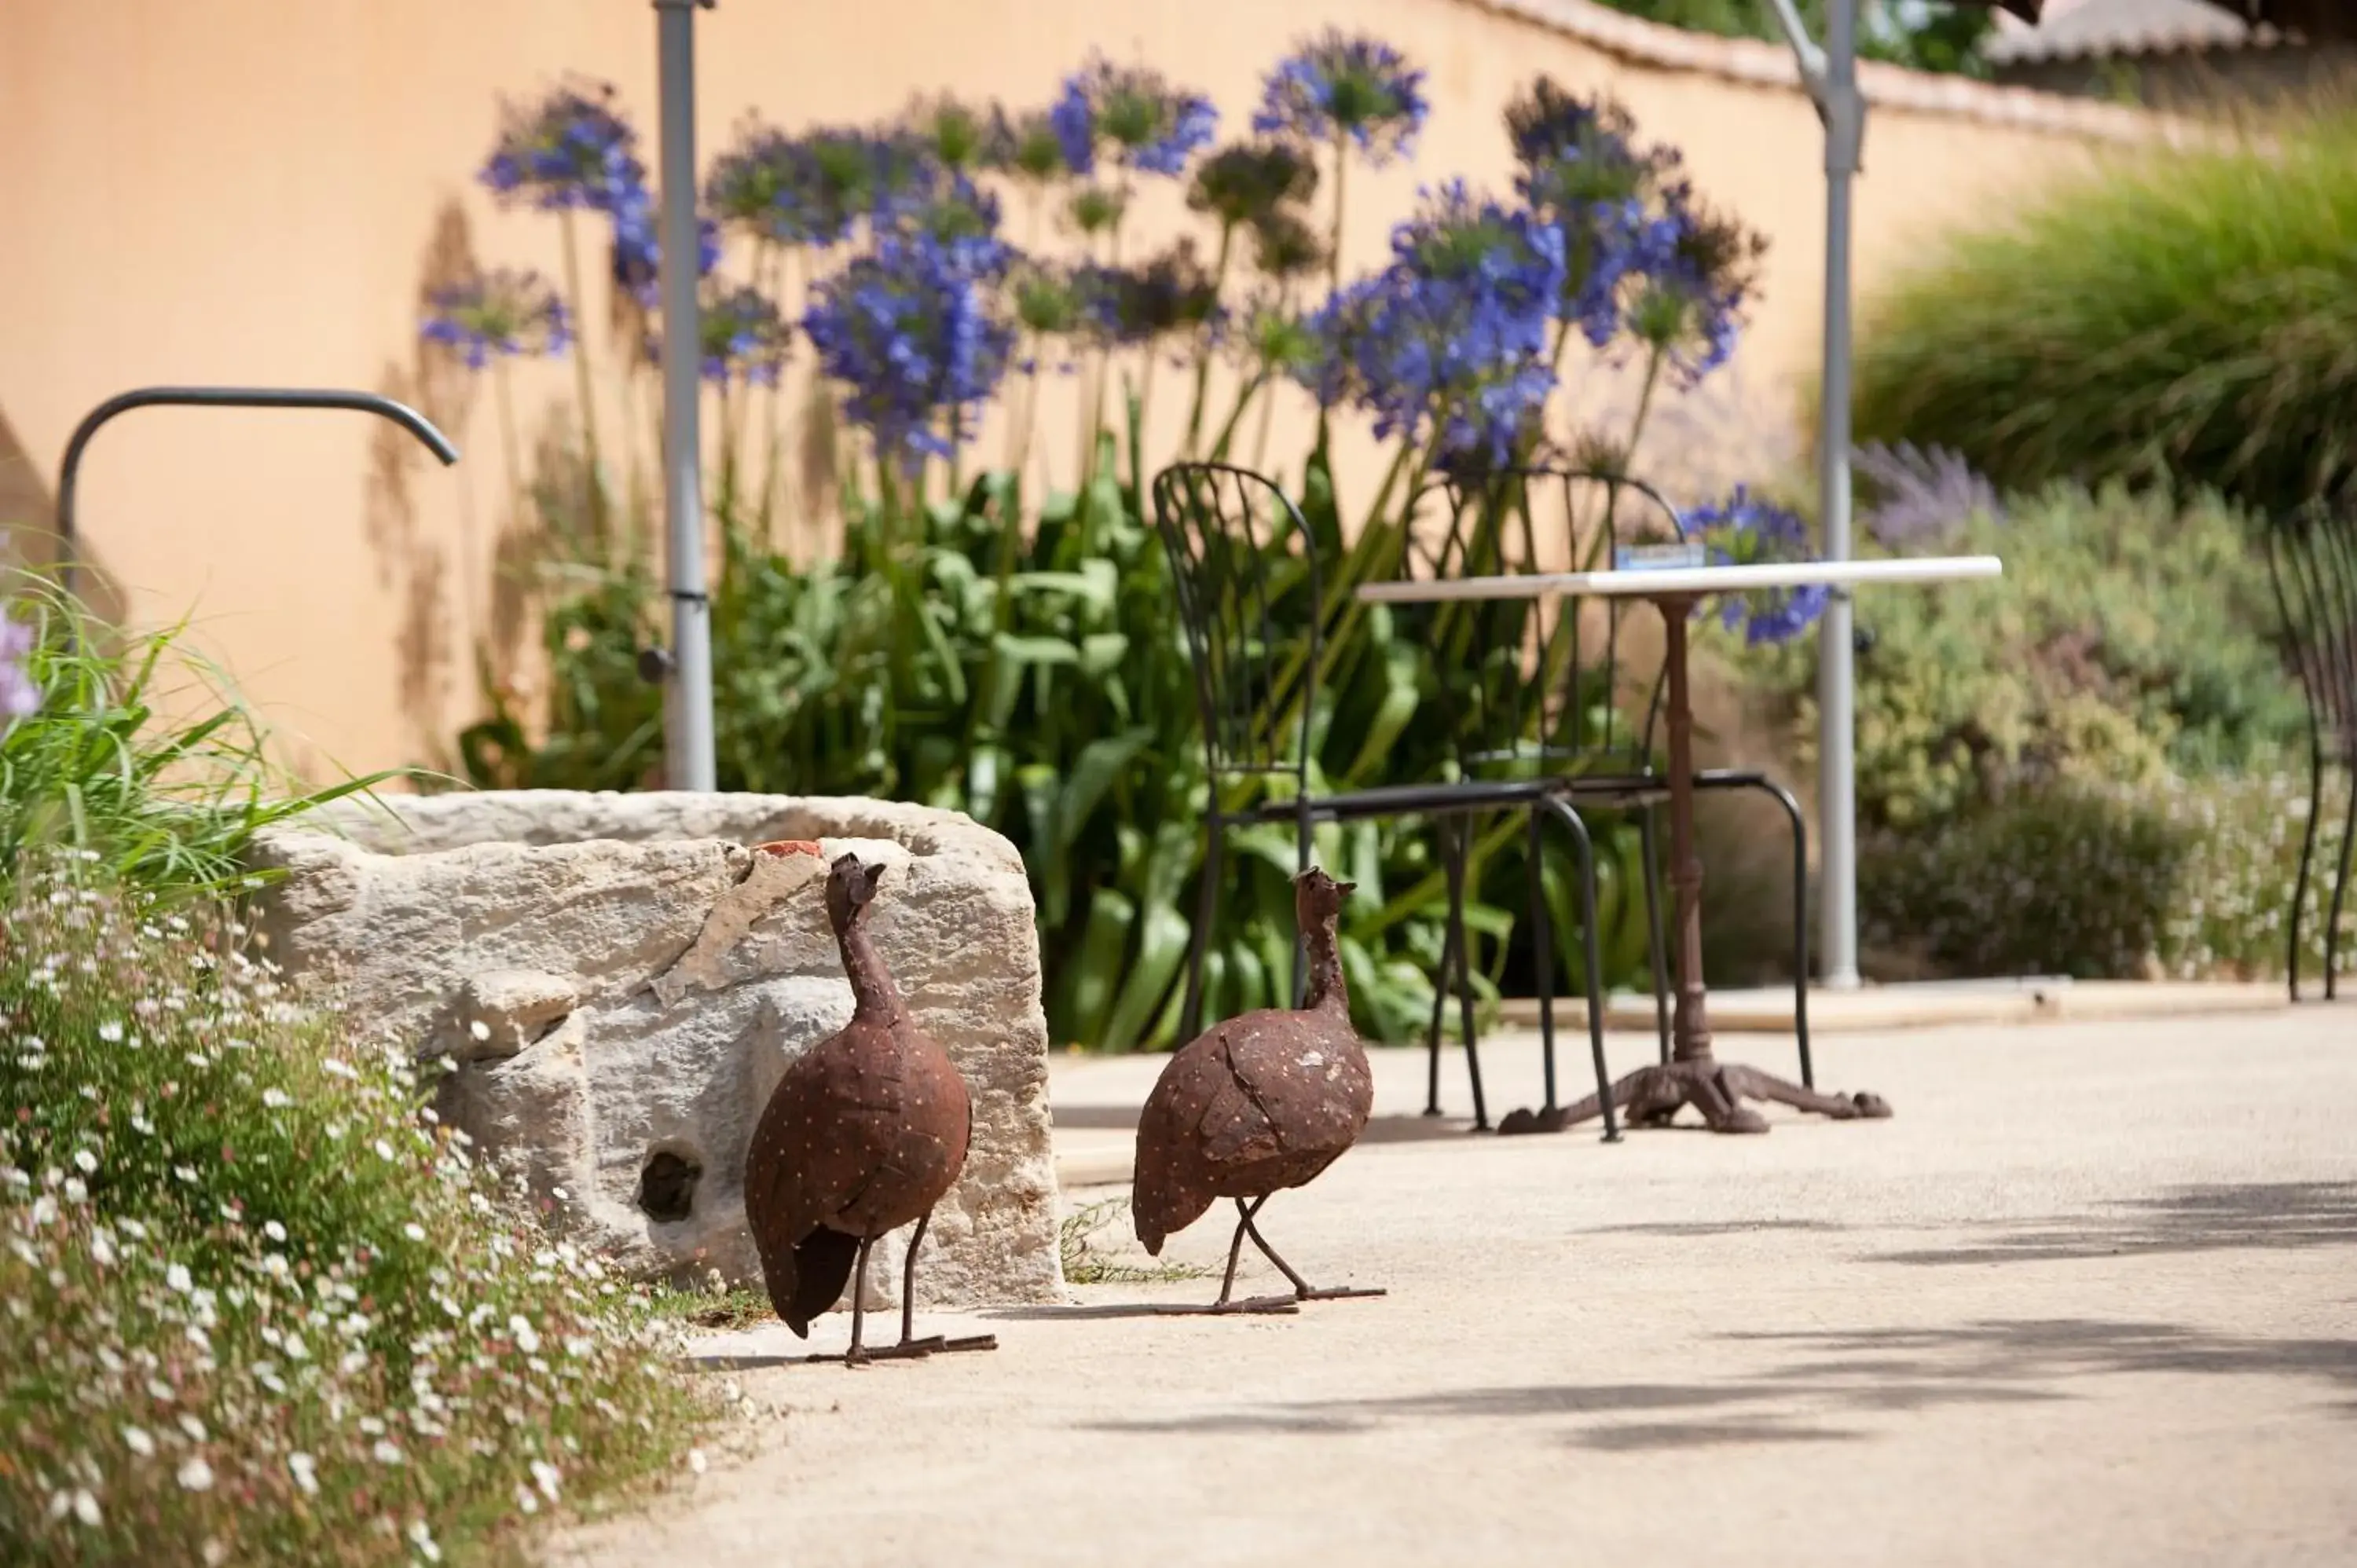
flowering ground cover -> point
(254, 1305)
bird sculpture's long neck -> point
(1326, 992)
(873, 994)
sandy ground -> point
(2090, 1299)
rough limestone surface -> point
(617, 980)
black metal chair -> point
(1246, 573)
(2312, 560)
(1539, 686)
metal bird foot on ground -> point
(914, 1350)
(1651, 1096)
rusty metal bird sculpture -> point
(1254, 1105)
(865, 1133)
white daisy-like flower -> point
(139, 1443)
(695, 1460)
(75, 1191)
(196, 1475)
(527, 1338)
(546, 1475)
(386, 1452)
(414, 1230)
(85, 1507)
(306, 1473)
(276, 1099)
(111, 1032)
(85, 1162)
(176, 1276)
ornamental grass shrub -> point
(254, 1305)
(2185, 315)
(134, 749)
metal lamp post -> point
(688, 758)
(1830, 76)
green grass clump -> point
(139, 752)
(255, 1306)
(2190, 313)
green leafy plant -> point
(254, 1304)
(2131, 638)
(138, 751)
(2188, 879)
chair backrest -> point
(2312, 558)
(1244, 569)
(1539, 683)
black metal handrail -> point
(70, 470)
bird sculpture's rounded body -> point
(864, 1134)
(1257, 1104)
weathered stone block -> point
(620, 981)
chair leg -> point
(1207, 907)
(1800, 925)
(1440, 976)
(2306, 863)
(1542, 951)
(1657, 939)
(1592, 942)
(1464, 988)
(2340, 892)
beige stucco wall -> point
(254, 190)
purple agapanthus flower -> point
(745, 337)
(636, 255)
(19, 697)
(914, 338)
(572, 149)
(1452, 334)
(1694, 277)
(1132, 115)
(503, 313)
(1747, 531)
(1343, 85)
(1580, 167)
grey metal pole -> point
(1844, 114)
(688, 760)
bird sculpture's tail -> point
(823, 1263)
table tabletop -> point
(1665, 581)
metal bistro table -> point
(1652, 1095)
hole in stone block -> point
(667, 1187)
(544, 1030)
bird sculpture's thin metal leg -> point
(1273, 1303)
(858, 1355)
(1302, 1289)
(910, 1347)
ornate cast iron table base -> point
(1651, 1096)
